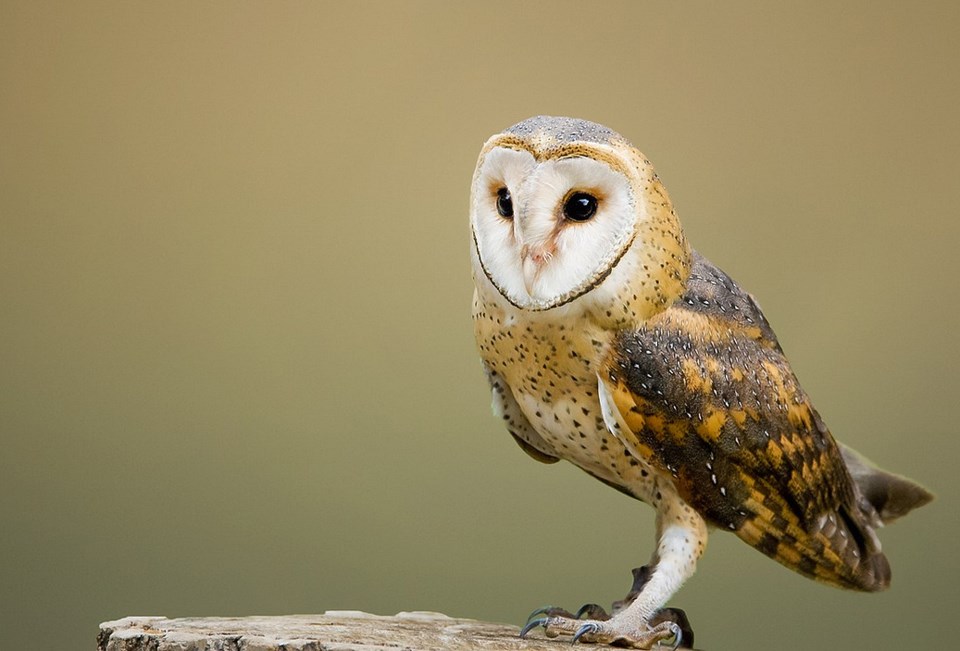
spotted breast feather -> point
(705, 393)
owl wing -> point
(703, 392)
(505, 406)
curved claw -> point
(677, 635)
(589, 627)
(593, 611)
(532, 625)
(540, 611)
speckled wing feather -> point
(708, 396)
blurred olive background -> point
(237, 369)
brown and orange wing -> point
(707, 395)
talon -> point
(552, 611)
(675, 617)
(589, 627)
(592, 611)
(541, 611)
(677, 635)
(532, 625)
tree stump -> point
(332, 631)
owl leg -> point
(682, 537)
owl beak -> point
(530, 272)
(533, 259)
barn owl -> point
(612, 344)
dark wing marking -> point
(505, 406)
(705, 390)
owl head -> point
(565, 212)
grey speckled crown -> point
(565, 130)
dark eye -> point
(580, 207)
(504, 203)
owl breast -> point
(550, 366)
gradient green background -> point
(237, 369)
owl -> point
(611, 344)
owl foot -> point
(587, 623)
(676, 615)
(610, 631)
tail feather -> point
(891, 495)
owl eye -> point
(580, 207)
(504, 203)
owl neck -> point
(649, 278)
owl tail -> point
(890, 495)
(882, 497)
